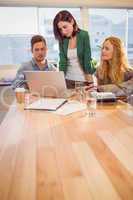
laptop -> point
(46, 83)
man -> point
(38, 62)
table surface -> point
(52, 157)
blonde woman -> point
(114, 73)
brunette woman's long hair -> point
(66, 16)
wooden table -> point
(44, 156)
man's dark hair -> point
(37, 38)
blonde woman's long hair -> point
(114, 69)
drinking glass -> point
(130, 99)
(91, 103)
(79, 89)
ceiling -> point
(70, 3)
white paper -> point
(70, 107)
(103, 95)
(46, 104)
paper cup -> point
(20, 95)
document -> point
(46, 104)
(104, 96)
(70, 107)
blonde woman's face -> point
(107, 51)
(66, 28)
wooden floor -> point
(44, 156)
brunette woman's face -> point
(107, 51)
(65, 28)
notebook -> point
(46, 104)
(104, 96)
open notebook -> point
(46, 104)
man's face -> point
(39, 51)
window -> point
(15, 33)
(14, 48)
(104, 23)
(20, 23)
(130, 36)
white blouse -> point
(74, 70)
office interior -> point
(45, 156)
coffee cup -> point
(20, 95)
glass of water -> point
(79, 89)
(91, 103)
(130, 99)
